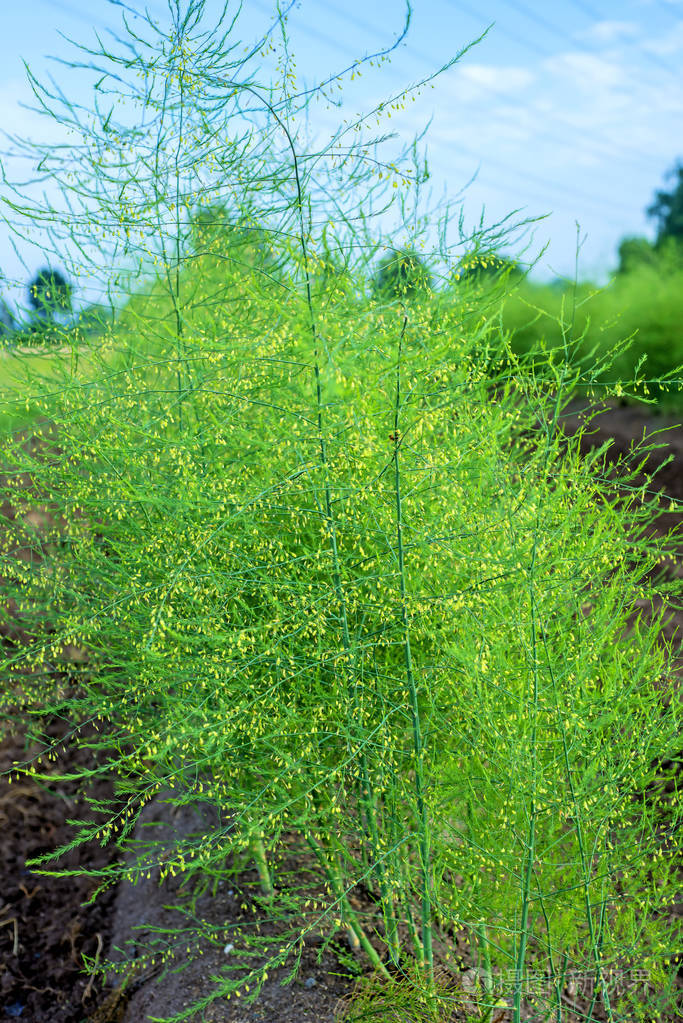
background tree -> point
(7, 321)
(486, 267)
(94, 319)
(634, 252)
(49, 294)
(637, 253)
(666, 253)
(332, 272)
(667, 209)
(401, 274)
(237, 237)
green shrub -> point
(402, 274)
(643, 307)
(347, 581)
(482, 268)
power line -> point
(545, 136)
(561, 34)
(525, 176)
(538, 18)
(601, 149)
(69, 9)
(492, 182)
(598, 149)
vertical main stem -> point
(176, 302)
(418, 739)
(596, 940)
(355, 927)
(531, 839)
(258, 851)
(367, 803)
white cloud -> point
(590, 73)
(666, 46)
(609, 31)
(471, 81)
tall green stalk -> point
(350, 667)
(424, 826)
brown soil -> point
(624, 426)
(45, 928)
(46, 924)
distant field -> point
(23, 368)
(638, 317)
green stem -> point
(558, 981)
(352, 935)
(485, 952)
(412, 929)
(258, 851)
(418, 740)
(531, 840)
(352, 921)
(596, 943)
(366, 795)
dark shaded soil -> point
(45, 927)
(235, 905)
(626, 425)
(622, 427)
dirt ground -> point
(46, 924)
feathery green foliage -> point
(402, 275)
(339, 572)
(637, 318)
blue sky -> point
(572, 108)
